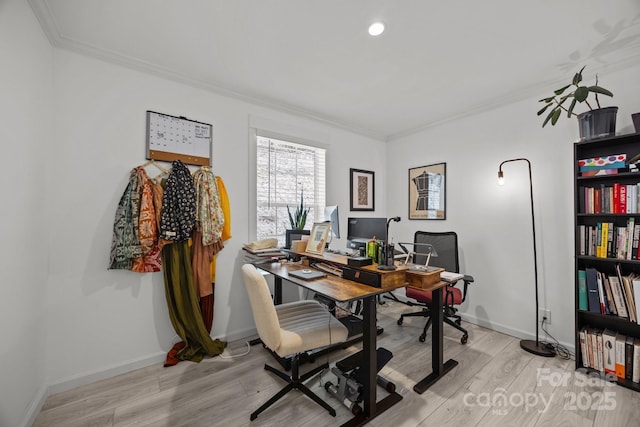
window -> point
(284, 171)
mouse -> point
(306, 271)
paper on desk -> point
(450, 277)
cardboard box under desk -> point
(423, 280)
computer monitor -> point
(331, 215)
(361, 230)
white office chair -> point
(289, 330)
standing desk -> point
(342, 290)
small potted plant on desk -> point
(595, 123)
(297, 220)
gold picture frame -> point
(318, 238)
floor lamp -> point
(534, 347)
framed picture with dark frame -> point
(427, 192)
(362, 192)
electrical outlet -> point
(545, 313)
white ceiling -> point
(437, 60)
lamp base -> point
(386, 267)
(536, 348)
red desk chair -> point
(446, 246)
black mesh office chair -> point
(446, 247)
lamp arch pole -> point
(528, 345)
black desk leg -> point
(372, 408)
(439, 369)
(277, 290)
(370, 355)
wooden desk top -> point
(334, 287)
(402, 276)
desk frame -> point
(369, 295)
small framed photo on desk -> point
(318, 237)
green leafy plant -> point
(299, 218)
(579, 94)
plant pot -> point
(599, 123)
(636, 121)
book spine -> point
(582, 290)
(620, 356)
(628, 358)
(616, 197)
(636, 361)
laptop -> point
(307, 274)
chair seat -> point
(307, 325)
(425, 296)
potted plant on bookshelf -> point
(596, 122)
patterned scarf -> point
(125, 244)
(178, 204)
(209, 215)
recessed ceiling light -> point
(376, 28)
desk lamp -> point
(534, 347)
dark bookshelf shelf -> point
(608, 260)
(619, 176)
(614, 215)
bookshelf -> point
(598, 202)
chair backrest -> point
(264, 311)
(446, 246)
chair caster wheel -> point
(356, 409)
(464, 339)
(458, 322)
(422, 338)
(400, 321)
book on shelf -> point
(609, 351)
(613, 162)
(635, 283)
(592, 290)
(616, 292)
(629, 299)
(617, 199)
(612, 294)
(635, 377)
(611, 307)
(608, 240)
(628, 358)
(583, 347)
(601, 298)
(582, 290)
(620, 356)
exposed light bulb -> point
(500, 178)
(376, 29)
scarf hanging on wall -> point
(125, 244)
(178, 204)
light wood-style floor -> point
(495, 384)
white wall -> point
(25, 136)
(494, 223)
(101, 321)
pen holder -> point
(385, 257)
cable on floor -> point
(559, 349)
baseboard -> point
(510, 331)
(107, 372)
(35, 407)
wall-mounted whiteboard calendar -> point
(172, 138)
